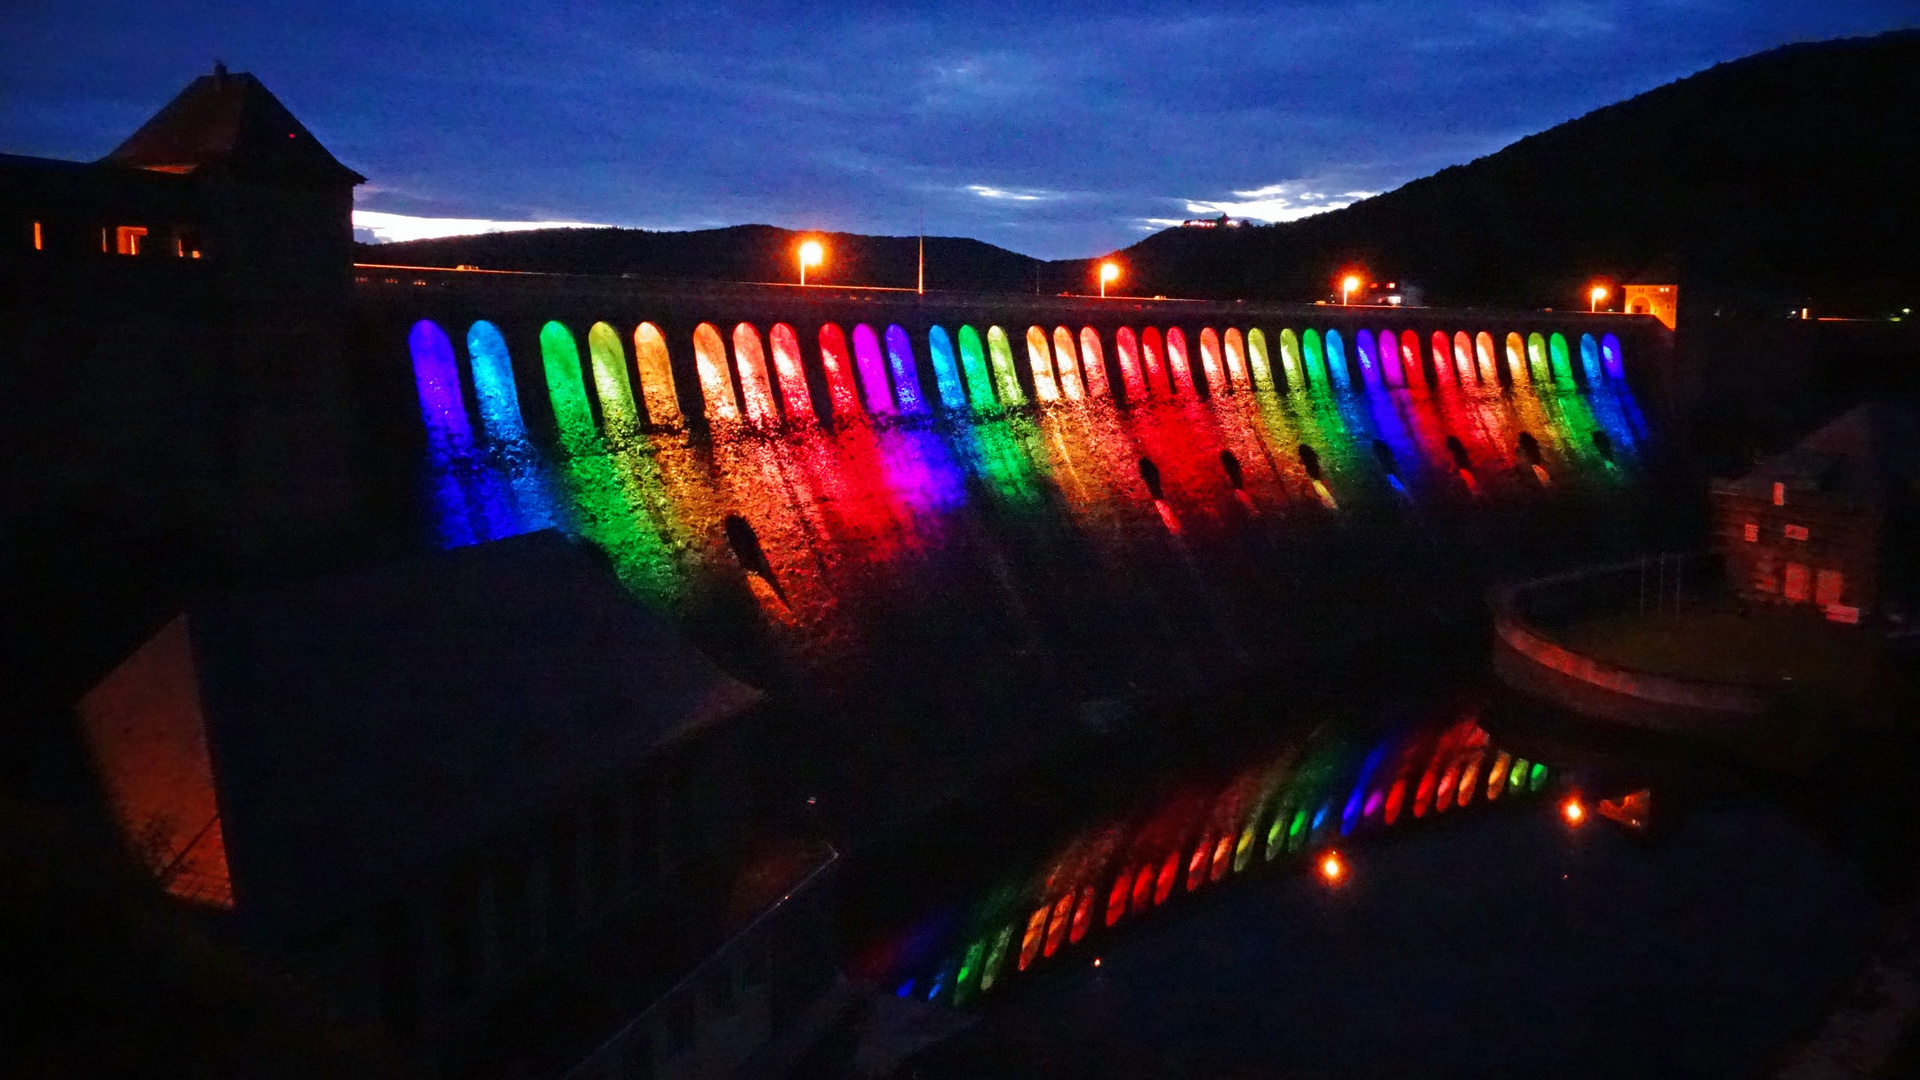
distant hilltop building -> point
(1221, 222)
(1829, 525)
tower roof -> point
(229, 122)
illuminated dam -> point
(995, 492)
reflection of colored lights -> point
(1333, 869)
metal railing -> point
(634, 1040)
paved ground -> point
(1497, 946)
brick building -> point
(1830, 524)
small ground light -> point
(1096, 961)
(1333, 868)
(1573, 811)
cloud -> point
(1286, 201)
(384, 228)
(986, 192)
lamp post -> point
(1109, 271)
(1347, 285)
(811, 254)
(1598, 293)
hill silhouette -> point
(1785, 177)
(736, 253)
(1782, 179)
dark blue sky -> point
(1052, 129)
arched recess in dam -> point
(1410, 359)
(619, 416)
(1093, 363)
(1259, 361)
(1040, 364)
(656, 376)
(1067, 365)
(1133, 379)
(1234, 346)
(1463, 357)
(493, 384)
(973, 361)
(1483, 355)
(436, 376)
(1179, 364)
(906, 372)
(1006, 378)
(566, 390)
(1153, 355)
(946, 370)
(756, 389)
(1291, 367)
(710, 362)
(795, 398)
(872, 366)
(837, 361)
(1210, 366)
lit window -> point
(1797, 586)
(1796, 532)
(128, 239)
(1779, 494)
(1751, 532)
(39, 241)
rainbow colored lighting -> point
(436, 375)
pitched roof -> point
(229, 122)
(1866, 455)
(366, 726)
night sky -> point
(1053, 129)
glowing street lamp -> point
(1574, 811)
(812, 253)
(1109, 272)
(1598, 294)
(1347, 285)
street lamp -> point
(1598, 293)
(1109, 272)
(811, 254)
(1347, 285)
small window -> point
(1779, 494)
(129, 239)
(1751, 532)
(39, 238)
(1796, 532)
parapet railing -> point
(1531, 617)
(616, 1057)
